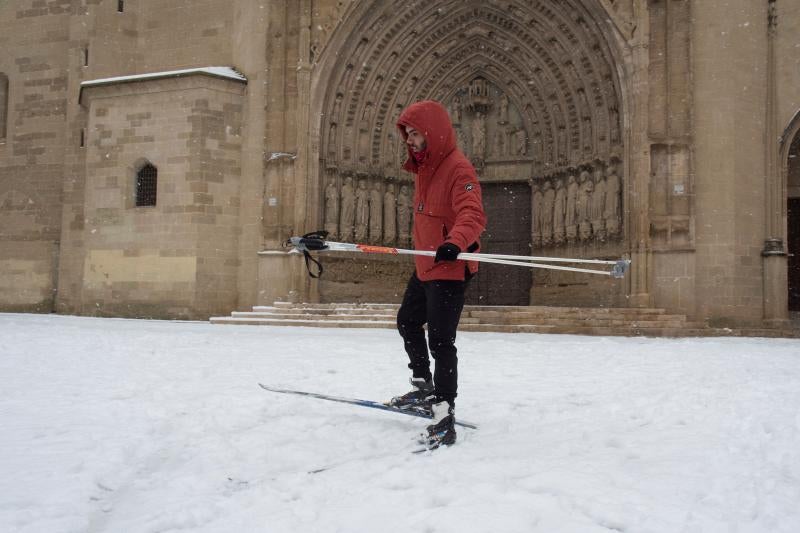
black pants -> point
(437, 303)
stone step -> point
(664, 321)
(303, 322)
(310, 310)
(615, 331)
(590, 322)
(490, 316)
(529, 319)
(485, 312)
(326, 318)
(544, 310)
(630, 331)
(291, 305)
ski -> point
(362, 403)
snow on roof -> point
(220, 72)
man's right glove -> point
(447, 252)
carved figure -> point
(461, 140)
(389, 215)
(499, 145)
(479, 136)
(348, 210)
(331, 208)
(404, 209)
(571, 211)
(585, 187)
(362, 211)
(503, 109)
(521, 141)
(559, 210)
(548, 202)
(375, 213)
(598, 204)
(332, 141)
(612, 211)
(455, 110)
(337, 105)
(537, 198)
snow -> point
(222, 72)
(113, 425)
(281, 155)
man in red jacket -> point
(448, 218)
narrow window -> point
(146, 185)
(120, 6)
(3, 105)
(83, 137)
(86, 57)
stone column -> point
(776, 297)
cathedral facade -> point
(156, 155)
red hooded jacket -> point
(447, 196)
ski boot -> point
(419, 399)
(442, 432)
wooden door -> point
(508, 231)
(793, 248)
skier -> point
(448, 218)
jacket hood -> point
(431, 119)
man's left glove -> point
(447, 252)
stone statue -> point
(503, 109)
(461, 140)
(585, 187)
(479, 136)
(404, 210)
(562, 148)
(537, 214)
(559, 209)
(332, 208)
(362, 211)
(571, 211)
(598, 204)
(337, 106)
(332, 141)
(389, 215)
(455, 110)
(348, 210)
(375, 214)
(548, 202)
(520, 142)
(499, 145)
(614, 119)
(611, 212)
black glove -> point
(447, 252)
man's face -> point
(415, 139)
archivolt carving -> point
(527, 82)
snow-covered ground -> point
(145, 426)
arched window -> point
(3, 105)
(146, 186)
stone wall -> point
(178, 258)
(34, 38)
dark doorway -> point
(793, 248)
(508, 231)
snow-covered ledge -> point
(221, 73)
(217, 72)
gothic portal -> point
(533, 94)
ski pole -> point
(316, 242)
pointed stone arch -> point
(561, 65)
(790, 185)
